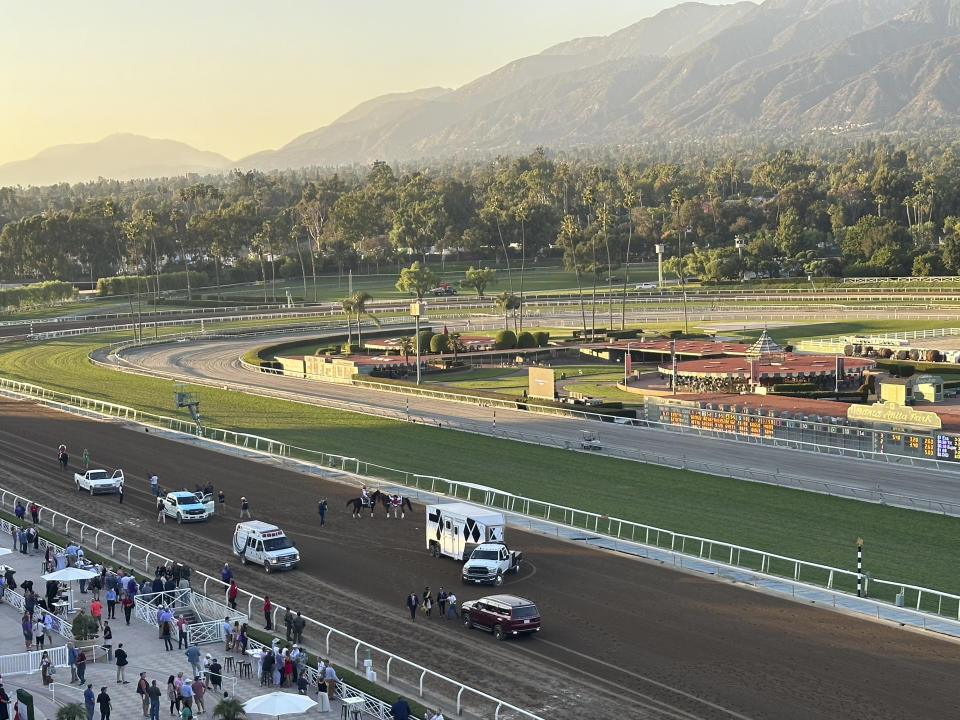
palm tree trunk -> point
(523, 262)
(626, 279)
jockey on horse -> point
(365, 496)
(62, 455)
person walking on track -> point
(244, 507)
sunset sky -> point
(242, 76)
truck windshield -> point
(187, 500)
(485, 555)
(98, 475)
(281, 543)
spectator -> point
(198, 690)
(81, 666)
(216, 674)
(126, 602)
(186, 694)
(452, 605)
(193, 655)
(108, 641)
(142, 690)
(232, 594)
(89, 701)
(267, 607)
(20, 511)
(299, 623)
(331, 679)
(154, 693)
(227, 635)
(96, 612)
(121, 656)
(103, 700)
(173, 695)
(35, 513)
(111, 598)
(181, 632)
(226, 574)
(400, 709)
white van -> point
(265, 544)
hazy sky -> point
(241, 76)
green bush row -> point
(130, 284)
(43, 293)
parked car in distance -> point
(503, 615)
(645, 286)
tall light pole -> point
(416, 310)
(659, 247)
(738, 243)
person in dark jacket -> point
(400, 709)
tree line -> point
(883, 207)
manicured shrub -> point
(439, 343)
(526, 340)
(848, 350)
(504, 340)
(425, 336)
(542, 338)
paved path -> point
(146, 653)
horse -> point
(388, 502)
(360, 502)
(63, 458)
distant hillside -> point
(782, 67)
(120, 157)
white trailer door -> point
(452, 538)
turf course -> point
(900, 545)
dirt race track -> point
(621, 639)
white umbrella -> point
(278, 703)
(68, 574)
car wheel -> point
(498, 580)
(179, 518)
(435, 550)
(78, 487)
(91, 492)
(467, 622)
(498, 632)
(266, 568)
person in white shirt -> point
(452, 605)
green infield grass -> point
(906, 546)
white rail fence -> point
(392, 667)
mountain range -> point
(781, 68)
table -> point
(352, 708)
(60, 608)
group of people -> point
(446, 604)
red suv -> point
(502, 615)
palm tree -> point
(456, 344)
(406, 347)
(360, 299)
(505, 302)
(349, 306)
(229, 709)
(72, 711)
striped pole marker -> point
(859, 567)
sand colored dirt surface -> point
(621, 639)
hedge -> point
(128, 284)
(542, 338)
(44, 293)
(439, 343)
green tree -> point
(480, 278)
(417, 280)
(229, 709)
(439, 343)
(419, 220)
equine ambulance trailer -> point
(454, 529)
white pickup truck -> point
(489, 562)
(99, 481)
(185, 506)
